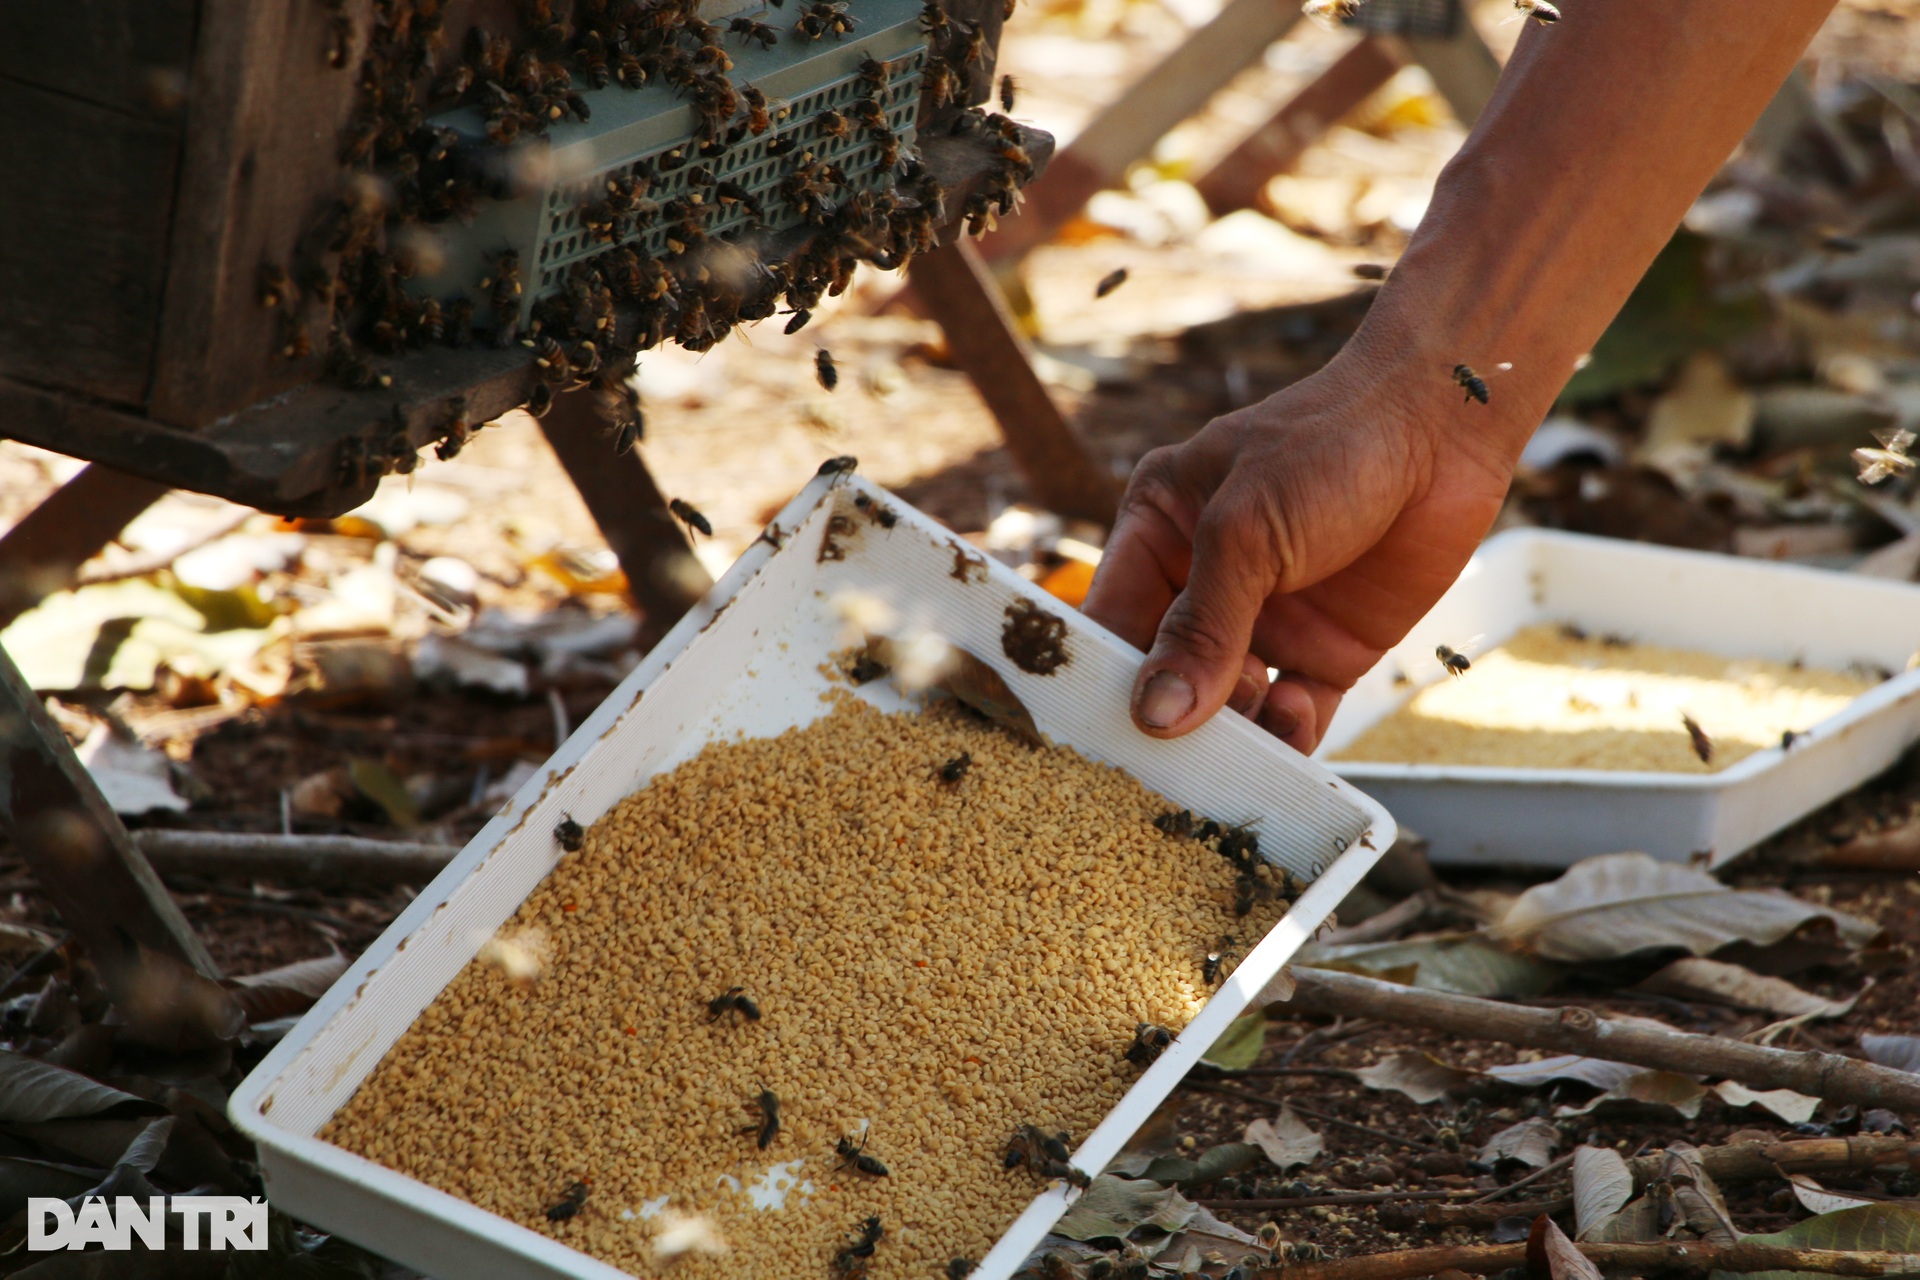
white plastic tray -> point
(1735, 607)
(748, 660)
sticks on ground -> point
(322, 861)
(1581, 1031)
(1693, 1256)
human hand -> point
(1308, 533)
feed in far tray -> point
(1554, 697)
(936, 958)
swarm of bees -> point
(344, 287)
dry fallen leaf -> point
(1602, 1185)
(1794, 1108)
(1419, 1076)
(1285, 1140)
(1531, 1142)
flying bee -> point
(838, 466)
(748, 29)
(1456, 663)
(685, 511)
(1331, 12)
(1702, 744)
(731, 1001)
(1889, 460)
(955, 769)
(853, 1156)
(569, 833)
(1150, 1040)
(1539, 10)
(1006, 93)
(1370, 271)
(1472, 383)
(829, 374)
(570, 1203)
(1224, 951)
(1110, 281)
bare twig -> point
(1337, 1197)
(1529, 1180)
(1761, 1161)
(345, 861)
(1248, 1073)
(1676, 1255)
(1581, 1031)
(1478, 1213)
(1248, 1096)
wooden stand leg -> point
(663, 575)
(956, 288)
(1127, 129)
(41, 554)
(1236, 181)
(61, 826)
(1464, 70)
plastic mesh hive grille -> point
(1433, 19)
(747, 163)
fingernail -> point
(1245, 694)
(1166, 700)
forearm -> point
(1604, 129)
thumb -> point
(1198, 659)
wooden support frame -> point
(957, 289)
(42, 553)
(664, 577)
(60, 825)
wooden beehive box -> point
(161, 152)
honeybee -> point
(851, 1261)
(1702, 744)
(955, 769)
(769, 1126)
(832, 124)
(1891, 459)
(570, 1203)
(1456, 663)
(1225, 950)
(960, 1268)
(339, 40)
(569, 833)
(1006, 93)
(1331, 12)
(878, 513)
(540, 401)
(1067, 1173)
(748, 29)
(292, 342)
(800, 316)
(1539, 10)
(852, 1156)
(1150, 1040)
(838, 466)
(686, 511)
(1370, 271)
(732, 1000)
(1305, 1251)
(458, 428)
(1788, 737)
(933, 20)
(828, 372)
(1177, 822)
(1474, 385)
(1110, 281)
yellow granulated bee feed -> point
(1551, 698)
(934, 965)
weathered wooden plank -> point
(1129, 126)
(59, 825)
(128, 55)
(264, 115)
(663, 577)
(41, 554)
(82, 242)
(1236, 180)
(956, 289)
(1463, 68)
